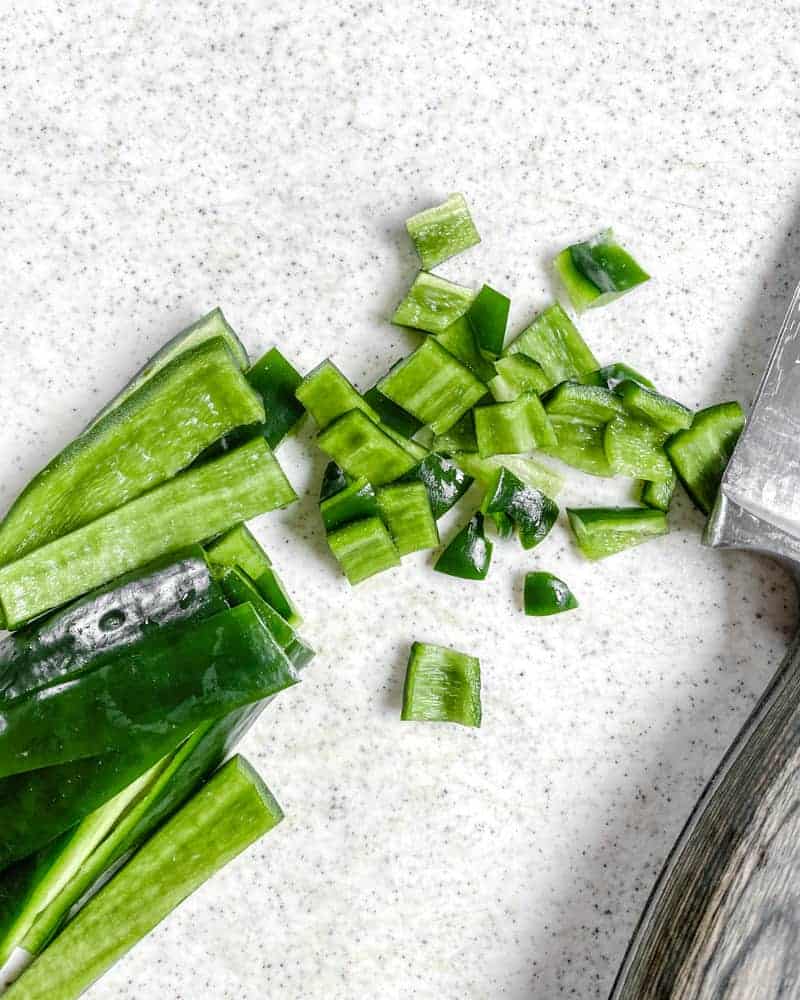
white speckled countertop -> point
(160, 159)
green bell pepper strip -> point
(333, 481)
(224, 817)
(598, 271)
(406, 512)
(461, 437)
(517, 374)
(603, 531)
(701, 453)
(240, 589)
(513, 428)
(531, 471)
(433, 386)
(459, 340)
(546, 595)
(391, 415)
(361, 448)
(661, 411)
(132, 449)
(34, 892)
(580, 445)
(445, 482)
(442, 685)
(207, 328)
(488, 317)
(355, 501)
(658, 494)
(412, 448)
(468, 554)
(238, 548)
(611, 375)
(327, 394)
(195, 505)
(363, 548)
(531, 511)
(635, 448)
(173, 681)
(553, 341)
(432, 304)
(121, 615)
(276, 380)
(442, 231)
(593, 404)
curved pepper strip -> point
(532, 512)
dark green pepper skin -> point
(545, 595)
(488, 317)
(275, 379)
(176, 588)
(391, 414)
(171, 682)
(469, 554)
(607, 266)
(611, 375)
(333, 481)
(445, 482)
(349, 504)
(532, 511)
(240, 589)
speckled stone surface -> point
(160, 159)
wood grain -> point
(723, 922)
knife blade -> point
(723, 921)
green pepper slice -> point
(532, 512)
(469, 553)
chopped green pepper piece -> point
(545, 595)
(361, 448)
(433, 386)
(602, 531)
(171, 682)
(460, 341)
(460, 437)
(488, 317)
(333, 481)
(363, 548)
(580, 445)
(611, 375)
(468, 553)
(553, 341)
(406, 511)
(223, 818)
(701, 453)
(516, 374)
(201, 503)
(531, 471)
(442, 685)
(661, 411)
(659, 495)
(444, 480)
(355, 501)
(513, 428)
(442, 231)
(432, 304)
(327, 394)
(392, 416)
(635, 448)
(598, 271)
(532, 512)
(275, 380)
(593, 404)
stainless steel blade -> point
(759, 501)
